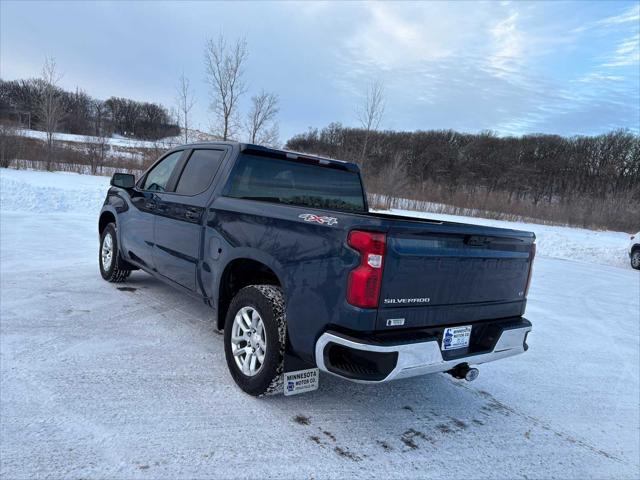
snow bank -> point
(46, 192)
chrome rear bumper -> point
(420, 358)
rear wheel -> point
(112, 267)
(635, 259)
(254, 339)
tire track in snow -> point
(543, 425)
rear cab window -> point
(295, 183)
(199, 171)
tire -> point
(112, 267)
(635, 259)
(256, 377)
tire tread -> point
(117, 274)
(275, 298)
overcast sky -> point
(512, 67)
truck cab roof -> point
(260, 150)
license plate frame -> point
(454, 338)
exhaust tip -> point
(471, 374)
(463, 371)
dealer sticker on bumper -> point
(301, 381)
(456, 337)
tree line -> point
(584, 180)
(577, 175)
(40, 104)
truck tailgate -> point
(444, 278)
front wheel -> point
(635, 259)
(112, 267)
(254, 339)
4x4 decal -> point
(322, 220)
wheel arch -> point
(106, 217)
(241, 272)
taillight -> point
(533, 255)
(363, 286)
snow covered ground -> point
(116, 141)
(129, 381)
(602, 247)
(119, 140)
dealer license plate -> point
(456, 337)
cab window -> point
(199, 171)
(293, 183)
(158, 178)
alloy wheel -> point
(248, 341)
(107, 252)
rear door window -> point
(158, 178)
(199, 171)
(295, 183)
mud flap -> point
(300, 376)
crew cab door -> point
(180, 214)
(137, 225)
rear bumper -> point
(385, 358)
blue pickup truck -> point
(303, 277)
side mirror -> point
(123, 180)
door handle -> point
(192, 214)
(150, 205)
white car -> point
(634, 251)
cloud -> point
(508, 43)
(390, 36)
(632, 15)
(511, 67)
(626, 53)
(625, 28)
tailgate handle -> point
(477, 241)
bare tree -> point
(186, 101)
(99, 115)
(225, 68)
(97, 150)
(98, 144)
(50, 108)
(395, 178)
(370, 114)
(261, 123)
(10, 144)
